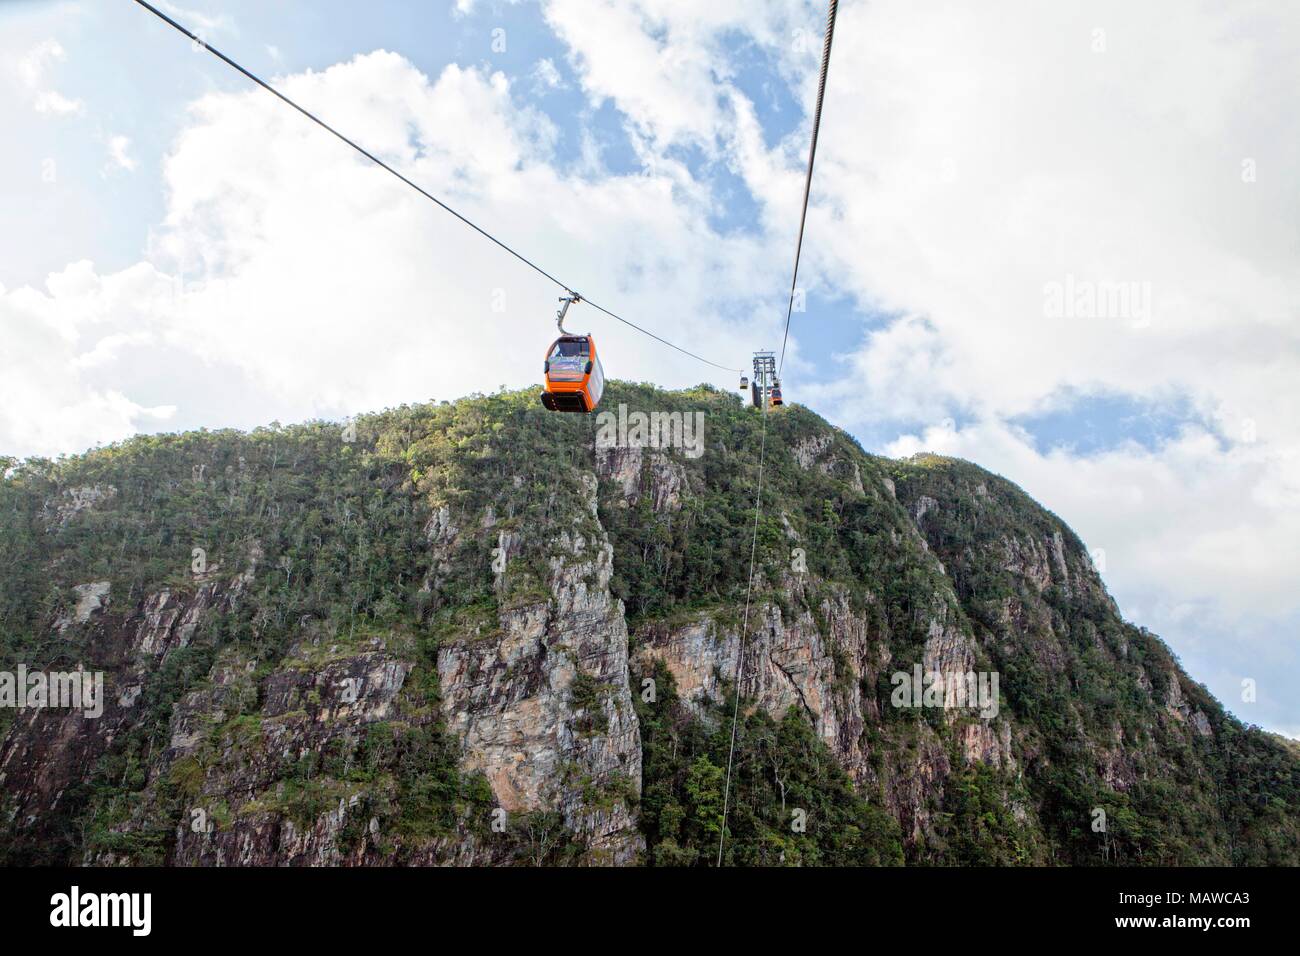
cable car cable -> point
(744, 629)
(758, 498)
(698, 358)
(195, 38)
(807, 182)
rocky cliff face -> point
(470, 635)
(543, 709)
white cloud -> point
(202, 24)
(48, 405)
(118, 154)
(660, 62)
(319, 284)
(546, 76)
(924, 209)
(51, 101)
(32, 69)
(346, 284)
(32, 66)
(965, 164)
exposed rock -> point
(987, 742)
(512, 701)
(90, 598)
(811, 451)
(1179, 708)
(74, 501)
(636, 471)
(856, 480)
(807, 451)
(439, 529)
(1028, 558)
(47, 750)
(327, 696)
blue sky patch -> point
(1089, 424)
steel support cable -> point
(195, 38)
(758, 498)
(807, 182)
(744, 627)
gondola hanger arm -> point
(568, 300)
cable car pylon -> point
(765, 388)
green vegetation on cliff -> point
(1081, 680)
(791, 802)
(385, 531)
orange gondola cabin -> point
(574, 379)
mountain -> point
(478, 632)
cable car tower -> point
(764, 378)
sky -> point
(1059, 240)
